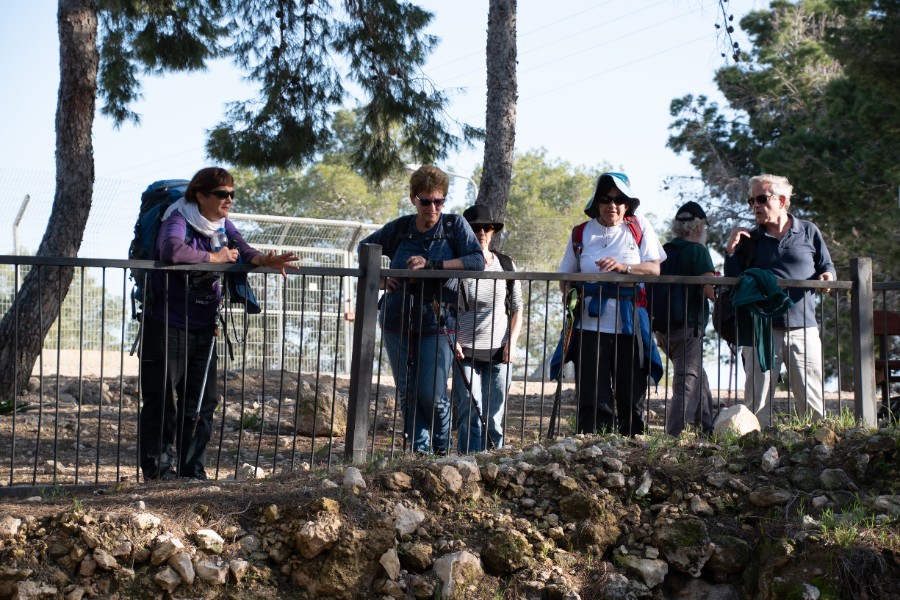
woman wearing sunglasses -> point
(611, 344)
(181, 359)
(488, 333)
(418, 315)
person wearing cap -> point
(486, 335)
(418, 315)
(790, 248)
(611, 344)
(683, 338)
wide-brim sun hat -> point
(479, 214)
(622, 183)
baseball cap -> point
(691, 208)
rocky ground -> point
(809, 512)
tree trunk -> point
(500, 117)
(36, 307)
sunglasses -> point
(619, 200)
(221, 194)
(480, 228)
(438, 202)
(760, 199)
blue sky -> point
(595, 81)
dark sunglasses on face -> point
(480, 228)
(221, 194)
(760, 199)
(619, 200)
(438, 202)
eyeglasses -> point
(619, 200)
(480, 228)
(438, 202)
(222, 194)
(760, 199)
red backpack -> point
(633, 225)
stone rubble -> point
(581, 517)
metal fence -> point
(82, 415)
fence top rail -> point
(886, 285)
(62, 261)
(603, 277)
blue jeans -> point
(490, 384)
(423, 398)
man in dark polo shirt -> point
(791, 249)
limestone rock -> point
(167, 579)
(238, 568)
(32, 590)
(836, 479)
(730, 555)
(415, 556)
(506, 551)
(469, 471)
(181, 564)
(105, 560)
(767, 496)
(770, 459)
(826, 436)
(144, 521)
(398, 481)
(685, 543)
(699, 506)
(653, 572)
(353, 478)
(319, 535)
(9, 526)
(391, 564)
(452, 479)
(211, 571)
(166, 546)
(314, 411)
(209, 540)
(738, 418)
(407, 520)
(457, 571)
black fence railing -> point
(296, 406)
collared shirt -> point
(800, 254)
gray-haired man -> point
(791, 249)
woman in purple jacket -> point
(175, 353)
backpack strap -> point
(578, 238)
(507, 264)
(401, 233)
(635, 226)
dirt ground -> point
(61, 440)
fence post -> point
(863, 331)
(362, 361)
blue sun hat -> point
(604, 183)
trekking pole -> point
(568, 328)
(435, 305)
(212, 347)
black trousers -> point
(172, 438)
(609, 383)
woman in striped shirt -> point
(486, 340)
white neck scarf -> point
(191, 212)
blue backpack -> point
(155, 200)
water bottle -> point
(219, 240)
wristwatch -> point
(628, 269)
